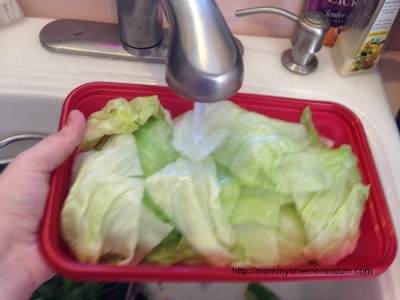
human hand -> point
(24, 187)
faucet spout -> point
(204, 62)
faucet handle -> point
(306, 40)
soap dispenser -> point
(306, 40)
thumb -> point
(53, 150)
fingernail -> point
(71, 116)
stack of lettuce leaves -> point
(250, 191)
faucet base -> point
(96, 39)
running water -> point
(199, 112)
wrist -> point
(9, 273)
(20, 276)
(22, 267)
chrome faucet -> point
(203, 59)
(204, 63)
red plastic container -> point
(376, 247)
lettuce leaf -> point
(256, 206)
(292, 238)
(332, 216)
(229, 190)
(269, 232)
(255, 220)
(120, 116)
(245, 190)
(164, 252)
(100, 216)
(216, 126)
(172, 250)
(152, 231)
(254, 150)
(302, 171)
(259, 245)
(154, 143)
(193, 206)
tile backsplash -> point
(258, 25)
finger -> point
(53, 150)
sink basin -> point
(21, 114)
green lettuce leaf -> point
(316, 140)
(257, 206)
(229, 190)
(154, 143)
(254, 150)
(256, 291)
(255, 220)
(164, 252)
(100, 216)
(306, 119)
(174, 249)
(292, 239)
(120, 116)
(259, 245)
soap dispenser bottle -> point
(363, 38)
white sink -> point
(34, 83)
(20, 114)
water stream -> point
(199, 112)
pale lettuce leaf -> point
(229, 190)
(197, 141)
(259, 245)
(302, 171)
(332, 216)
(152, 231)
(187, 192)
(100, 215)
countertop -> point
(27, 68)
